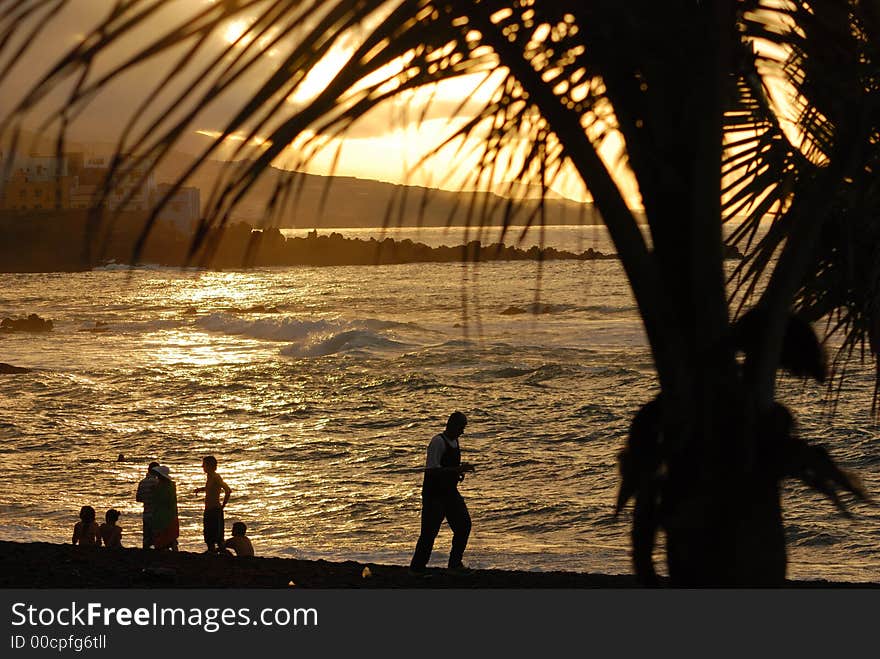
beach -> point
(47, 565)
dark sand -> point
(44, 565)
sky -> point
(383, 145)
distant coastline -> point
(53, 241)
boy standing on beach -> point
(213, 518)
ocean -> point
(318, 389)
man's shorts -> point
(214, 526)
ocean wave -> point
(454, 344)
(342, 342)
(398, 383)
(131, 327)
(288, 328)
(537, 308)
(255, 309)
(810, 534)
(269, 329)
(603, 414)
(510, 372)
(146, 267)
(820, 539)
(608, 309)
(551, 372)
(532, 375)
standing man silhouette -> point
(441, 499)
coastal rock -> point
(33, 323)
(9, 369)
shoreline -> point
(41, 242)
(48, 565)
(57, 242)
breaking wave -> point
(537, 308)
(342, 342)
(286, 328)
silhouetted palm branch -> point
(835, 75)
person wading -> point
(441, 500)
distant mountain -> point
(343, 201)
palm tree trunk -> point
(719, 503)
(720, 508)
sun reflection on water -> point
(178, 347)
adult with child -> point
(86, 532)
(212, 520)
(165, 523)
(111, 534)
(441, 499)
(145, 496)
(239, 542)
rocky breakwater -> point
(56, 242)
(336, 249)
(240, 244)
